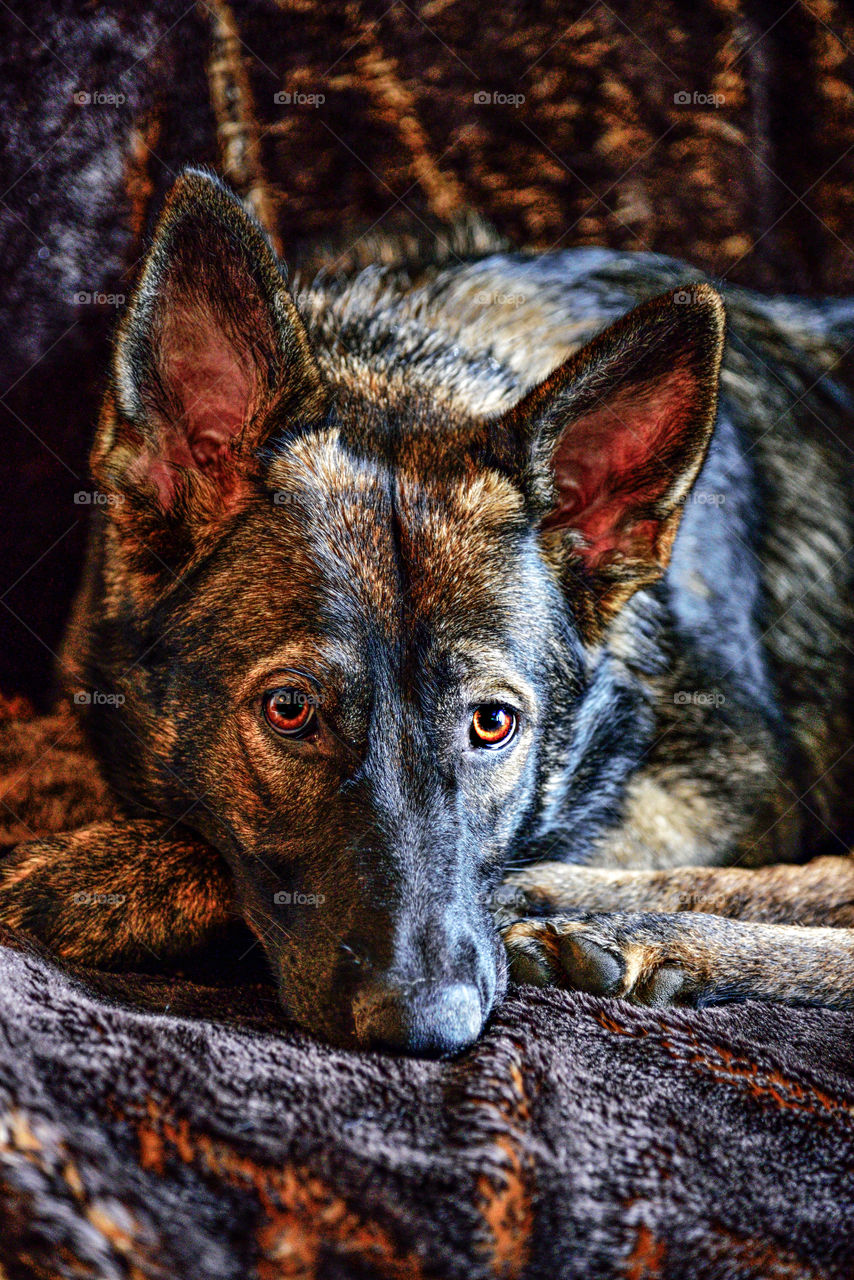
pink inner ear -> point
(617, 460)
(202, 374)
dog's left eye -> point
(493, 725)
(289, 711)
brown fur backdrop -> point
(586, 139)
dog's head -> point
(346, 623)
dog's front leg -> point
(686, 959)
(820, 892)
(117, 893)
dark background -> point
(750, 178)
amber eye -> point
(492, 725)
(289, 711)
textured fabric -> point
(579, 1138)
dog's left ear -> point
(609, 445)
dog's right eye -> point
(493, 725)
(289, 711)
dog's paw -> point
(604, 956)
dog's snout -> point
(428, 1019)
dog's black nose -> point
(429, 1020)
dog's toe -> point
(588, 966)
(532, 953)
(666, 985)
(605, 958)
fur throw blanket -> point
(157, 1129)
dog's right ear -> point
(211, 358)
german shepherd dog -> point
(448, 612)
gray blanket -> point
(153, 1128)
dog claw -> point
(590, 967)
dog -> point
(454, 619)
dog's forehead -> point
(406, 542)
